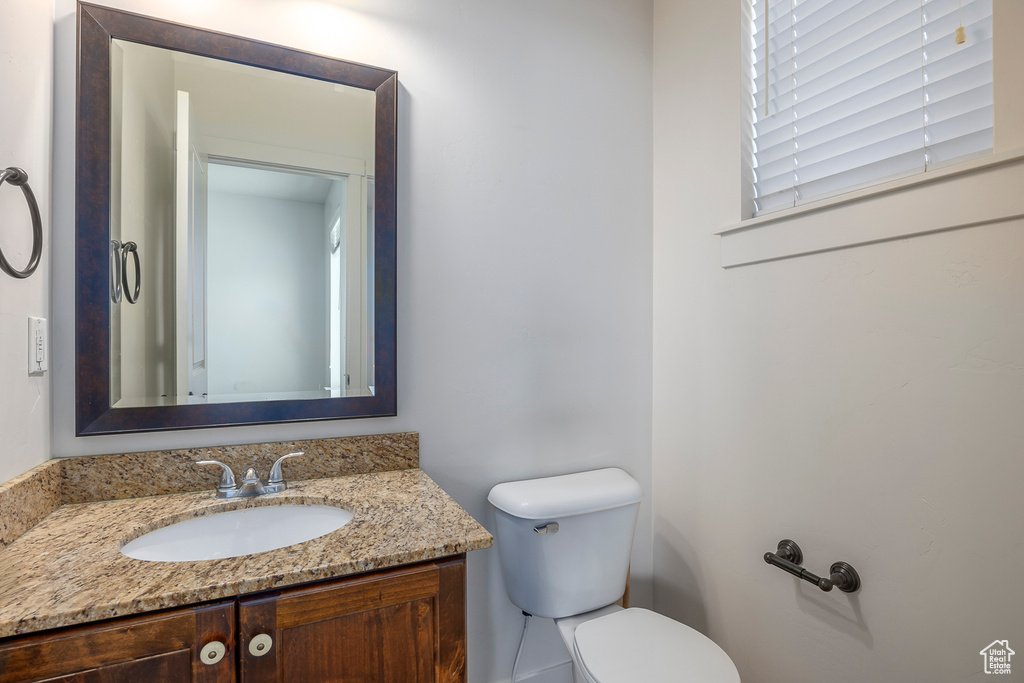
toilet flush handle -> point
(545, 529)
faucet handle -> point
(276, 475)
(227, 479)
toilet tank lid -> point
(567, 494)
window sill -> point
(975, 192)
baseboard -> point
(559, 673)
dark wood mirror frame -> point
(96, 27)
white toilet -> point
(564, 544)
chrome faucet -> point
(251, 484)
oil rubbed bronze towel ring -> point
(18, 177)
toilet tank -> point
(583, 565)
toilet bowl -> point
(616, 645)
(564, 545)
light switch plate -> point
(38, 346)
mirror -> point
(235, 250)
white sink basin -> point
(237, 533)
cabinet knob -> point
(260, 645)
(212, 652)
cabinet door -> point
(160, 647)
(405, 625)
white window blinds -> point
(863, 91)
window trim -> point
(959, 168)
(744, 243)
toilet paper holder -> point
(788, 557)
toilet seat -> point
(639, 645)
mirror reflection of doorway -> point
(173, 116)
(275, 237)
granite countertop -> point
(68, 569)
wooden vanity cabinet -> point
(402, 625)
(158, 647)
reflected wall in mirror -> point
(256, 187)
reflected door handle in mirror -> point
(115, 271)
(119, 272)
(133, 249)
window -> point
(858, 92)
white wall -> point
(863, 402)
(26, 81)
(524, 245)
(264, 255)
